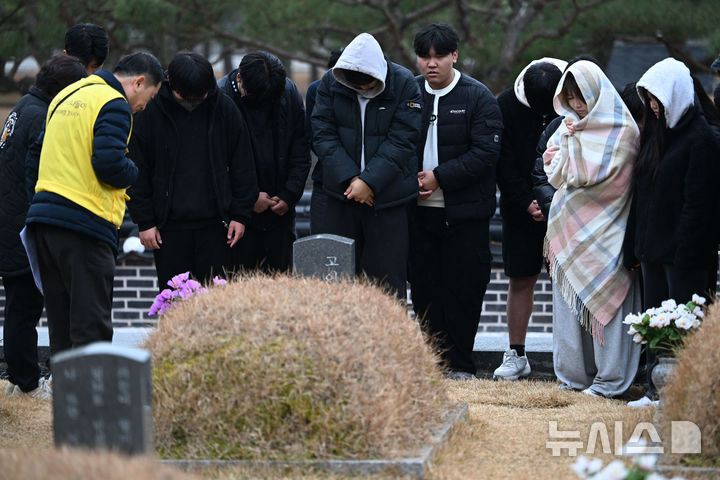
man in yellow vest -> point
(79, 201)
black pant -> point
(318, 209)
(23, 307)
(664, 281)
(449, 273)
(267, 250)
(77, 278)
(381, 240)
(203, 252)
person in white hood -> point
(527, 109)
(366, 126)
(675, 192)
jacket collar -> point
(36, 92)
(111, 80)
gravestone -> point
(102, 398)
(325, 256)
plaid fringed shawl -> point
(588, 215)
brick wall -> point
(136, 287)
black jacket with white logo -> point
(469, 141)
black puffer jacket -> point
(282, 167)
(522, 127)
(542, 189)
(392, 133)
(675, 213)
(22, 127)
(469, 138)
(154, 148)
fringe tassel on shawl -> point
(584, 316)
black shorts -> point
(522, 245)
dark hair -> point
(191, 75)
(335, 56)
(88, 42)
(570, 86)
(584, 56)
(652, 140)
(357, 79)
(263, 77)
(633, 102)
(439, 36)
(58, 72)
(540, 81)
(140, 63)
(716, 96)
(708, 108)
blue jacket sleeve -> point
(109, 159)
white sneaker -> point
(589, 391)
(643, 402)
(513, 366)
(42, 392)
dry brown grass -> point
(24, 422)
(504, 437)
(69, 464)
(693, 392)
(288, 368)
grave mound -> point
(691, 393)
(283, 368)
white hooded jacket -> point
(363, 55)
(669, 81)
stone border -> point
(702, 472)
(410, 466)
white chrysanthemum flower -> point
(631, 330)
(696, 323)
(631, 318)
(659, 320)
(698, 299)
(646, 462)
(615, 470)
(684, 322)
(637, 338)
(581, 466)
(698, 312)
(668, 305)
(595, 465)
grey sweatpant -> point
(581, 362)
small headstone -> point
(102, 398)
(326, 256)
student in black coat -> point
(273, 109)
(23, 301)
(366, 127)
(526, 109)
(676, 176)
(449, 225)
(197, 185)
